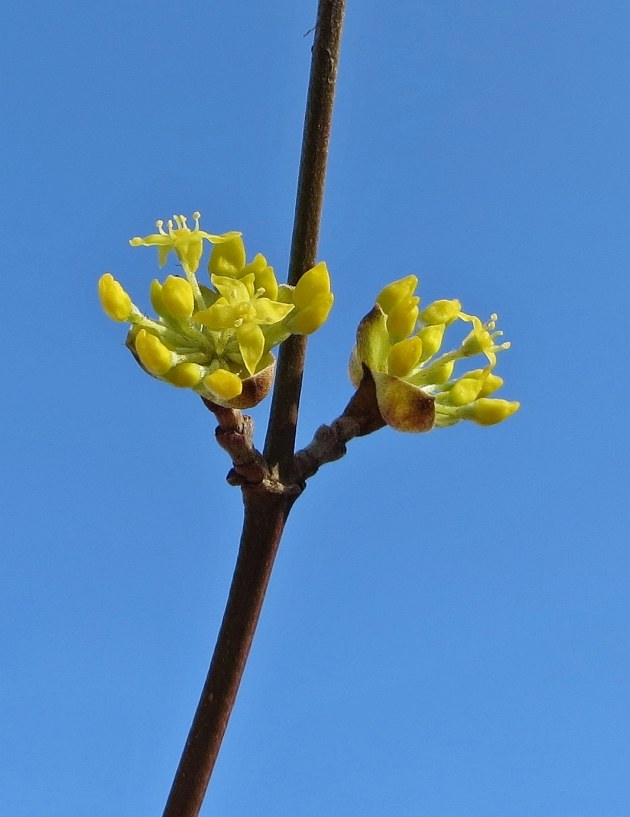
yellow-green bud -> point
(114, 300)
(431, 337)
(490, 382)
(308, 320)
(403, 356)
(402, 318)
(153, 353)
(223, 384)
(157, 302)
(177, 296)
(184, 375)
(487, 411)
(390, 295)
(314, 283)
(464, 391)
(441, 373)
(227, 257)
(443, 311)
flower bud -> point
(490, 382)
(314, 283)
(487, 411)
(443, 311)
(157, 302)
(309, 319)
(153, 354)
(184, 375)
(223, 384)
(177, 297)
(227, 256)
(440, 374)
(114, 300)
(402, 318)
(390, 295)
(431, 337)
(464, 391)
(403, 356)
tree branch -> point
(265, 516)
(280, 442)
(268, 501)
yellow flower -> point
(397, 346)
(186, 243)
(243, 309)
(216, 340)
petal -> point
(402, 406)
(268, 311)
(220, 239)
(251, 342)
(153, 240)
(231, 288)
(217, 317)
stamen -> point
(160, 225)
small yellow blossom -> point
(398, 346)
(216, 338)
(242, 309)
(187, 244)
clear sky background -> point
(447, 629)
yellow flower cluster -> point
(216, 340)
(398, 344)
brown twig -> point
(235, 435)
(268, 503)
(280, 441)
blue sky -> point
(447, 629)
